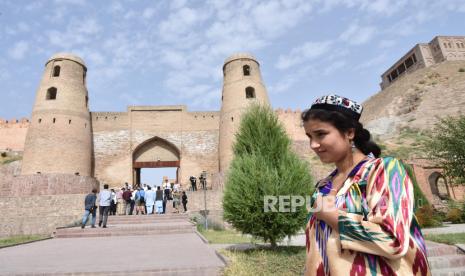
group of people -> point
(202, 180)
(140, 200)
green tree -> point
(446, 146)
(264, 166)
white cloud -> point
(148, 13)
(307, 51)
(77, 32)
(181, 23)
(19, 50)
(273, 18)
(334, 66)
(387, 43)
(358, 35)
(373, 62)
(387, 7)
(71, 2)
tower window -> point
(69, 121)
(51, 93)
(40, 120)
(56, 71)
(54, 120)
(232, 119)
(87, 102)
(246, 70)
(249, 93)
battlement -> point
(14, 123)
(108, 116)
(204, 114)
(287, 111)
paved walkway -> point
(142, 254)
(445, 229)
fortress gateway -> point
(64, 137)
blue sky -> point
(172, 52)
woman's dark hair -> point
(343, 123)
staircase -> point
(171, 238)
(134, 225)
(445, 260)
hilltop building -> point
(440, 49)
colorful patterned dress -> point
(377, 233)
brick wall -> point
(13, 134)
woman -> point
(362, 220)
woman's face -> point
(327, 141)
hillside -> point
(402, 114)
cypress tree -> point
(264, 166)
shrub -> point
(427, 217)
(264, 165)
(461, 70)
(3, 154)
(454, 215)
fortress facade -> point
(64, 137)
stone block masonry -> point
(37, 204)
(27, 215)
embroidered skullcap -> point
(334, 102)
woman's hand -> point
(325, 209)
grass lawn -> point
(225, 236)
(447, 238)
(285, 260)
(20, 239)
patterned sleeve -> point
(384, 229)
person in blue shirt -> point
(90, 208)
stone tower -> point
(242, 85)
(59, 138)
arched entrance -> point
(438, 185)
(155, 153)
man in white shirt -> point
(104, 206)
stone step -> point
(197, 271)
(127, 229)
(455, 271)
(147, 218)
(438, 250)
(89, 234)
(142, 221)
(447, 261)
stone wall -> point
(424, 171)
(38, 204)
(28, 215)
(49, 184)
(117, 135)
(13, 134)
(196, 200)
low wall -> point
(38, 204)
(196, 200)
(39, 214)
(51, 184)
